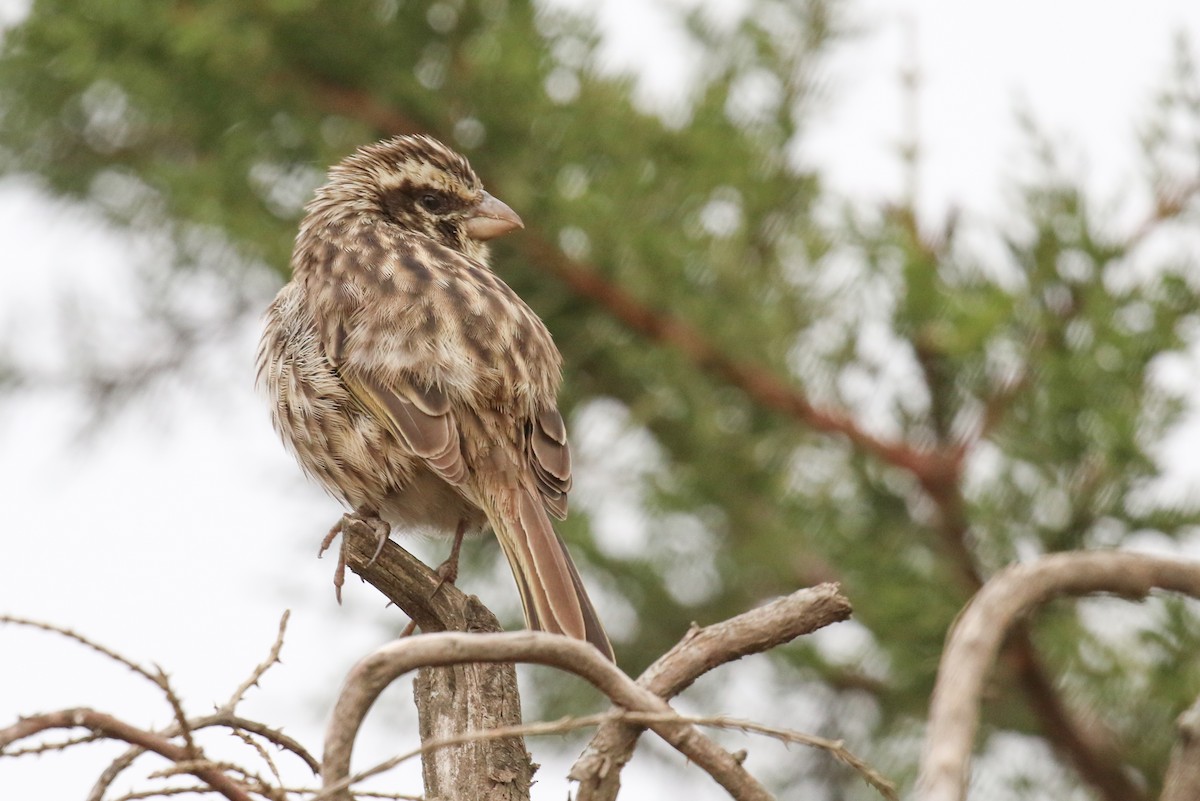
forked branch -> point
(368, 679)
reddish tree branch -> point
(976, 638)
(761, 384)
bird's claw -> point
(372, 522)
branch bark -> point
(453, 699)
(368, 679)
(598, 770)
(976, 638)
(1182, 780)
(115, 729)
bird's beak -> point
(490, 218)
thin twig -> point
(262, 752)
(43, 748)
(163, 792)
(260, 669)
(181, 721)
(117, 729)
(82, 640)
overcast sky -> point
(191, 529)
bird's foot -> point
(360, 517)
(448, 570)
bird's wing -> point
(550, 459)
(376, 323)
(420, 416)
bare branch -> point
(977, 636)
(1182, 780)
(701, 650)
(237, 724)
(457, 698)
(257, 674)
(371, 675)
(640, 720)
(271, 735)
(115, 729)
(145, 673)
(434, 604)
(46, 747)
(181, 722)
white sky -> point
(190, 528)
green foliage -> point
(219, 117)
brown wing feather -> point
(421, 418)
(550, 459)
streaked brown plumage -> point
(412, 382)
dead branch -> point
(1182, 779)
(702, 649)
(260, 669)
(641, 719)
(222, 717)
(456, 699)
(976, 638)
(112, 728)
(370, 676)
(406, 581)
(144, 672)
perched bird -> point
(412, 382)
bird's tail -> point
(552, 593)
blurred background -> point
(964, 229)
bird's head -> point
(423, 187)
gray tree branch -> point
(454, 699)
(975, 640)
(1182, 779)
(598, 770)
(393, 660)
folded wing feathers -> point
(421, 418)
(550, 459)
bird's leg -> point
(364, 517)
(448, 570)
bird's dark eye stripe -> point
(408, 198)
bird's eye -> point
(432, 202)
